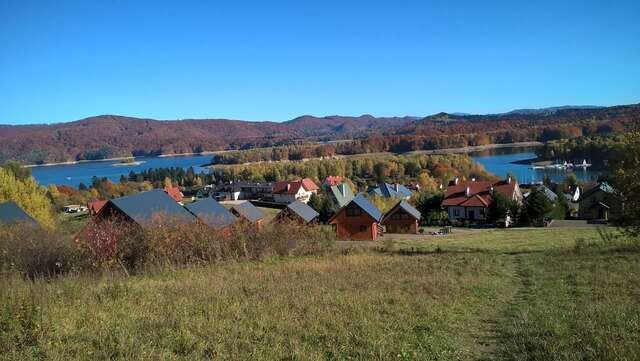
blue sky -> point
(275, 60)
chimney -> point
(396, 186)
(468, 191)
(288, 187)
(473, 179)
(341, 188)
(508, 179)
(456, 180)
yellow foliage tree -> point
(31, 197)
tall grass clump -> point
(36, 252)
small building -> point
(599, 203)
(175, 193)
(291, 191)
(234, 191)
(12, 214)
(298, 212)
(95, 207)
(340, 194)
(551, 195)
(402, 218)
(247, 212)
(212, 213)
(470, 200)
(387, 190)
(74, 208)
(359, 220)
(144, 208)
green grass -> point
(475, 295)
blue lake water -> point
(501, 164)
(74, 174)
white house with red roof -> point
(291, 191)
(470, 200)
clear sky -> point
(275, 60)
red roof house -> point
(470, 200)
(291, 191)
(95, 206)
(333, 180)
(175, 193)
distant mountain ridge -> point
(109, 136)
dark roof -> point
(11, 213)
(303, 210)
(211, 212)
(404, 205)
(604, 187)
(248, 211)
(368, 207)
(142, 207)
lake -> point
(498, 162)
(501, 163)
(74, 174)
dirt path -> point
(491, 336)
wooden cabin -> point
(297, 212)
(247, 212)
(402, 218)
(359, 220)
(213, 214)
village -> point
(368, 215)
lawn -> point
(487, 295)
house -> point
(298, 212)
(12, 214)
(234, 191)
(211, 213)
(144, 208)
(470, 200)
(175, 193)
(248, 213)
(340, 194)
(551, 195)
(387, 190)
(599, 203)
(402, 218)
(291, 191)
(359, 219)
(95, 207)
(333, 180)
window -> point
(354, 211)
(363, 228)
(456, 212)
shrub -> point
(33, 251)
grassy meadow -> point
(517, 294)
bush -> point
(167, 244)
(33, 252)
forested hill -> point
(112, 136)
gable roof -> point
(546, 191)
(248, 211)
(600, 187)
(479, 193)
(387, 190)
(142, 207)
(95, 206)
(292, 187)
(342, 193)
(175, 193)
(211, 212)
(309, 185)
(11, 213)
(303, 210)
(405, 206)
(363, 203)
